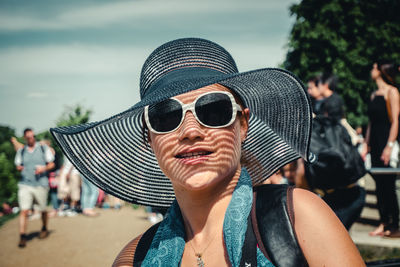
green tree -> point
(344, 37)
(74, 115)
(8, 174)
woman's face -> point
(195, 157)
(375, 73)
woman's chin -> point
(200, 180)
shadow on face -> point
(195, 157)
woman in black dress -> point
(382, 132)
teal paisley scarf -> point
(168, 244)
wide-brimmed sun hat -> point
(115, 156)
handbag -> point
(394, 156)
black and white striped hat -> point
(114, 154)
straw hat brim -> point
(114, 156)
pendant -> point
(200, 262)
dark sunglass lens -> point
(165, 116)
(214, 109)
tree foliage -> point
(344, 37)
(74, 115)
(8, 174)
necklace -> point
(200, 262)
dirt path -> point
(73, 241)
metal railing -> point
(384, 171)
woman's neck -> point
(381, 84)
(203, 211)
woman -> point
(198, 120)
(381, 135)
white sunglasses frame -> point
(191, 107)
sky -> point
(57, 54)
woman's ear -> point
(244, 124)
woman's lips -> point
(193, 157)
(193, 154)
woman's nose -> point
(191, 128)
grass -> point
(374, 253)
(135, 206)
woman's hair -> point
(389, 71)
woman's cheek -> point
(163, 146)
(228, 147)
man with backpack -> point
(338, 167)
(33, 161)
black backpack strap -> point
(144, 245)
(249, 249)
(256, 230)
(22, 155)
(274, 223)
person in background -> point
(289, 171)
(34, 161)
(346, 199)
(89, 198)
(53, 182)
(111, 201)
(333, 105)
(380, 138)
(69, 187)
(276, 178)
(316, 97)
(154, 215)
(5, 209)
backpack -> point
(24, 149)
(338, 163)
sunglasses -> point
(211, 109)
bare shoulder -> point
(393, 92)
(125, 257)
(322, 237)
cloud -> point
(65, 60)
(44, 63)
(100, 15)
(37, 95)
